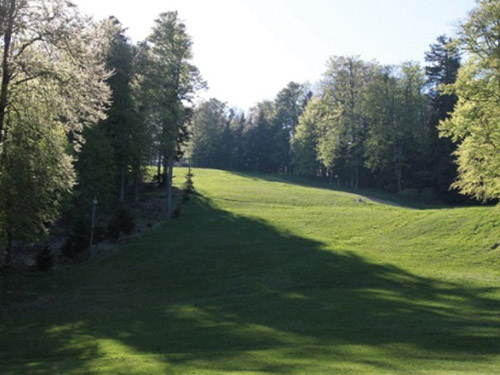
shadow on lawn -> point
(392, 199)
(212, 284)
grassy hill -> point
(262, 276)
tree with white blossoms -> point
(53, 85)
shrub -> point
(45, 260)
(78, 239)
(189, 185)
(177, 212)
(427, 195)
(122, 223)
(410, 193)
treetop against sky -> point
(248, 50)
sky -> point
(248, 50)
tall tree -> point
(53, 86)
(289, 104)
(397, 111)
(305, 139)
(208, 130)
(474, 121)
(443, 61)
(260, 133)
(105, 157)
(344, 86)
(172, 81)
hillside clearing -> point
(267, 277)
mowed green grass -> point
(260, 276)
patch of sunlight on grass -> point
(114, 357)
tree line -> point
(365, 125)
(427, 132)
(83, 111)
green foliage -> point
(260, 133)
(209, 148)
(305, 139)
(96, 168)
(223, 138)
(169, 82)
(122, 223)
(399, 134)
(289, 105)
(78, 239)
(474, 121)
(45, 260)
(177, 212)
(443, 61)
(343, 131)
(36, 172)
(53, 87)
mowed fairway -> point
(260, 276)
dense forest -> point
(84, 112)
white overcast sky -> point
(248, 50)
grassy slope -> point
(260, 276)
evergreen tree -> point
(208, 134)
(260, 133)
(443, 61)
(171, 80)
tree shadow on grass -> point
(213, 291)
(380, 196)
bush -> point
(410, 193)
(177, 212)
(45, 260)
(188, 185)
(427, 195)
(78, 240)
(123, 222)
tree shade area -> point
(83, 112)
(265, 276)
(346, 227)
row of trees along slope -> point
(402, 128)
(367, 125)
(83, 111)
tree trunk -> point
(398, 176)
(6, 74)
(136, 187)
(8, 250)
(159, 169)
(164, 176)
(169, 181)
(356, 177)
(122, 185)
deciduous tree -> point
(474, 123)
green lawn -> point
(260, 276)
